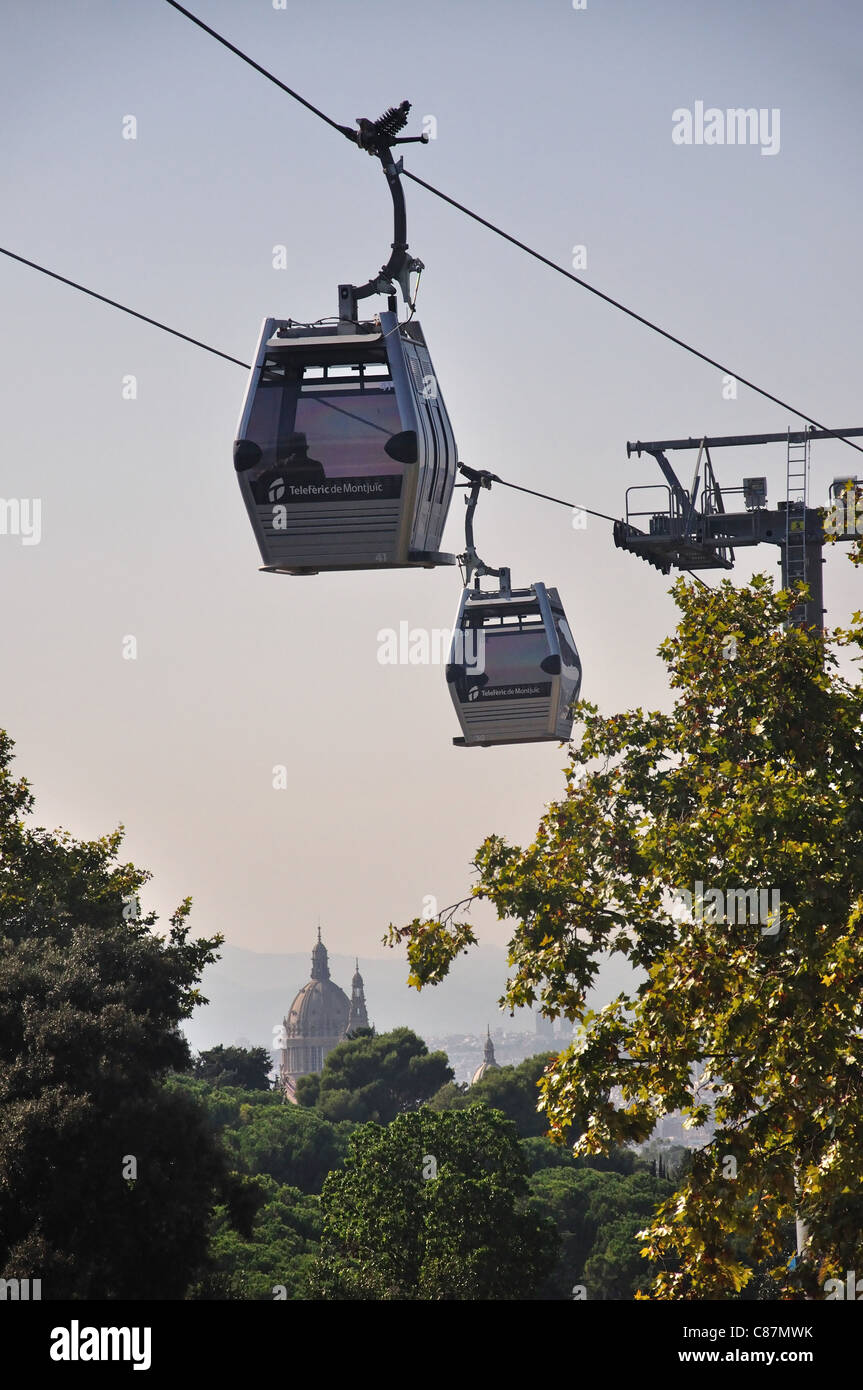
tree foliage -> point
(90, 1006)
(753, 780)
(540, 1153)
(376, 1077)
(295, 1147)
(228, 1107)
(276, 1258)
(432, 1207)
(513, 1090)
(598, 1216)
(246, 1067)
(264, 1234)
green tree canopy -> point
(90, 1006)
(540, 1153)
(223, 1108)
(376, 1077)
(751, 784)
(615, 1268)
(247, 1067)
(433, 1206)
(294, 1146)
(513, 1090)
(597, 1215)
(278, 1253)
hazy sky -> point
(555, 123)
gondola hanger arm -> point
(475, 568)
(376, 138)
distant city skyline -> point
(249, 993)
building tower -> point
(316, 1022)
(488, 1062)
(358, 1016)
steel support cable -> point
(528, 250)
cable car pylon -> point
(701, 533)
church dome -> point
(488, 1062)
(320, 1017)
(321, 1009)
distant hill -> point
(250, 993)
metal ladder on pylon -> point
(797, 495)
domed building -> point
(320, 1017)
(488, 1062)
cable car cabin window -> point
(507, 659)
(322, 431)
(511, 657)
(340, 371)
(568, 653)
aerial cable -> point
(197, 342)
(489, 478)
(498, 231)
(124, 308)
(217, 352)
(616, 304)
(252, 64)
(573, 506)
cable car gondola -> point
(345, 454)
(346, 457)
(514, 671)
